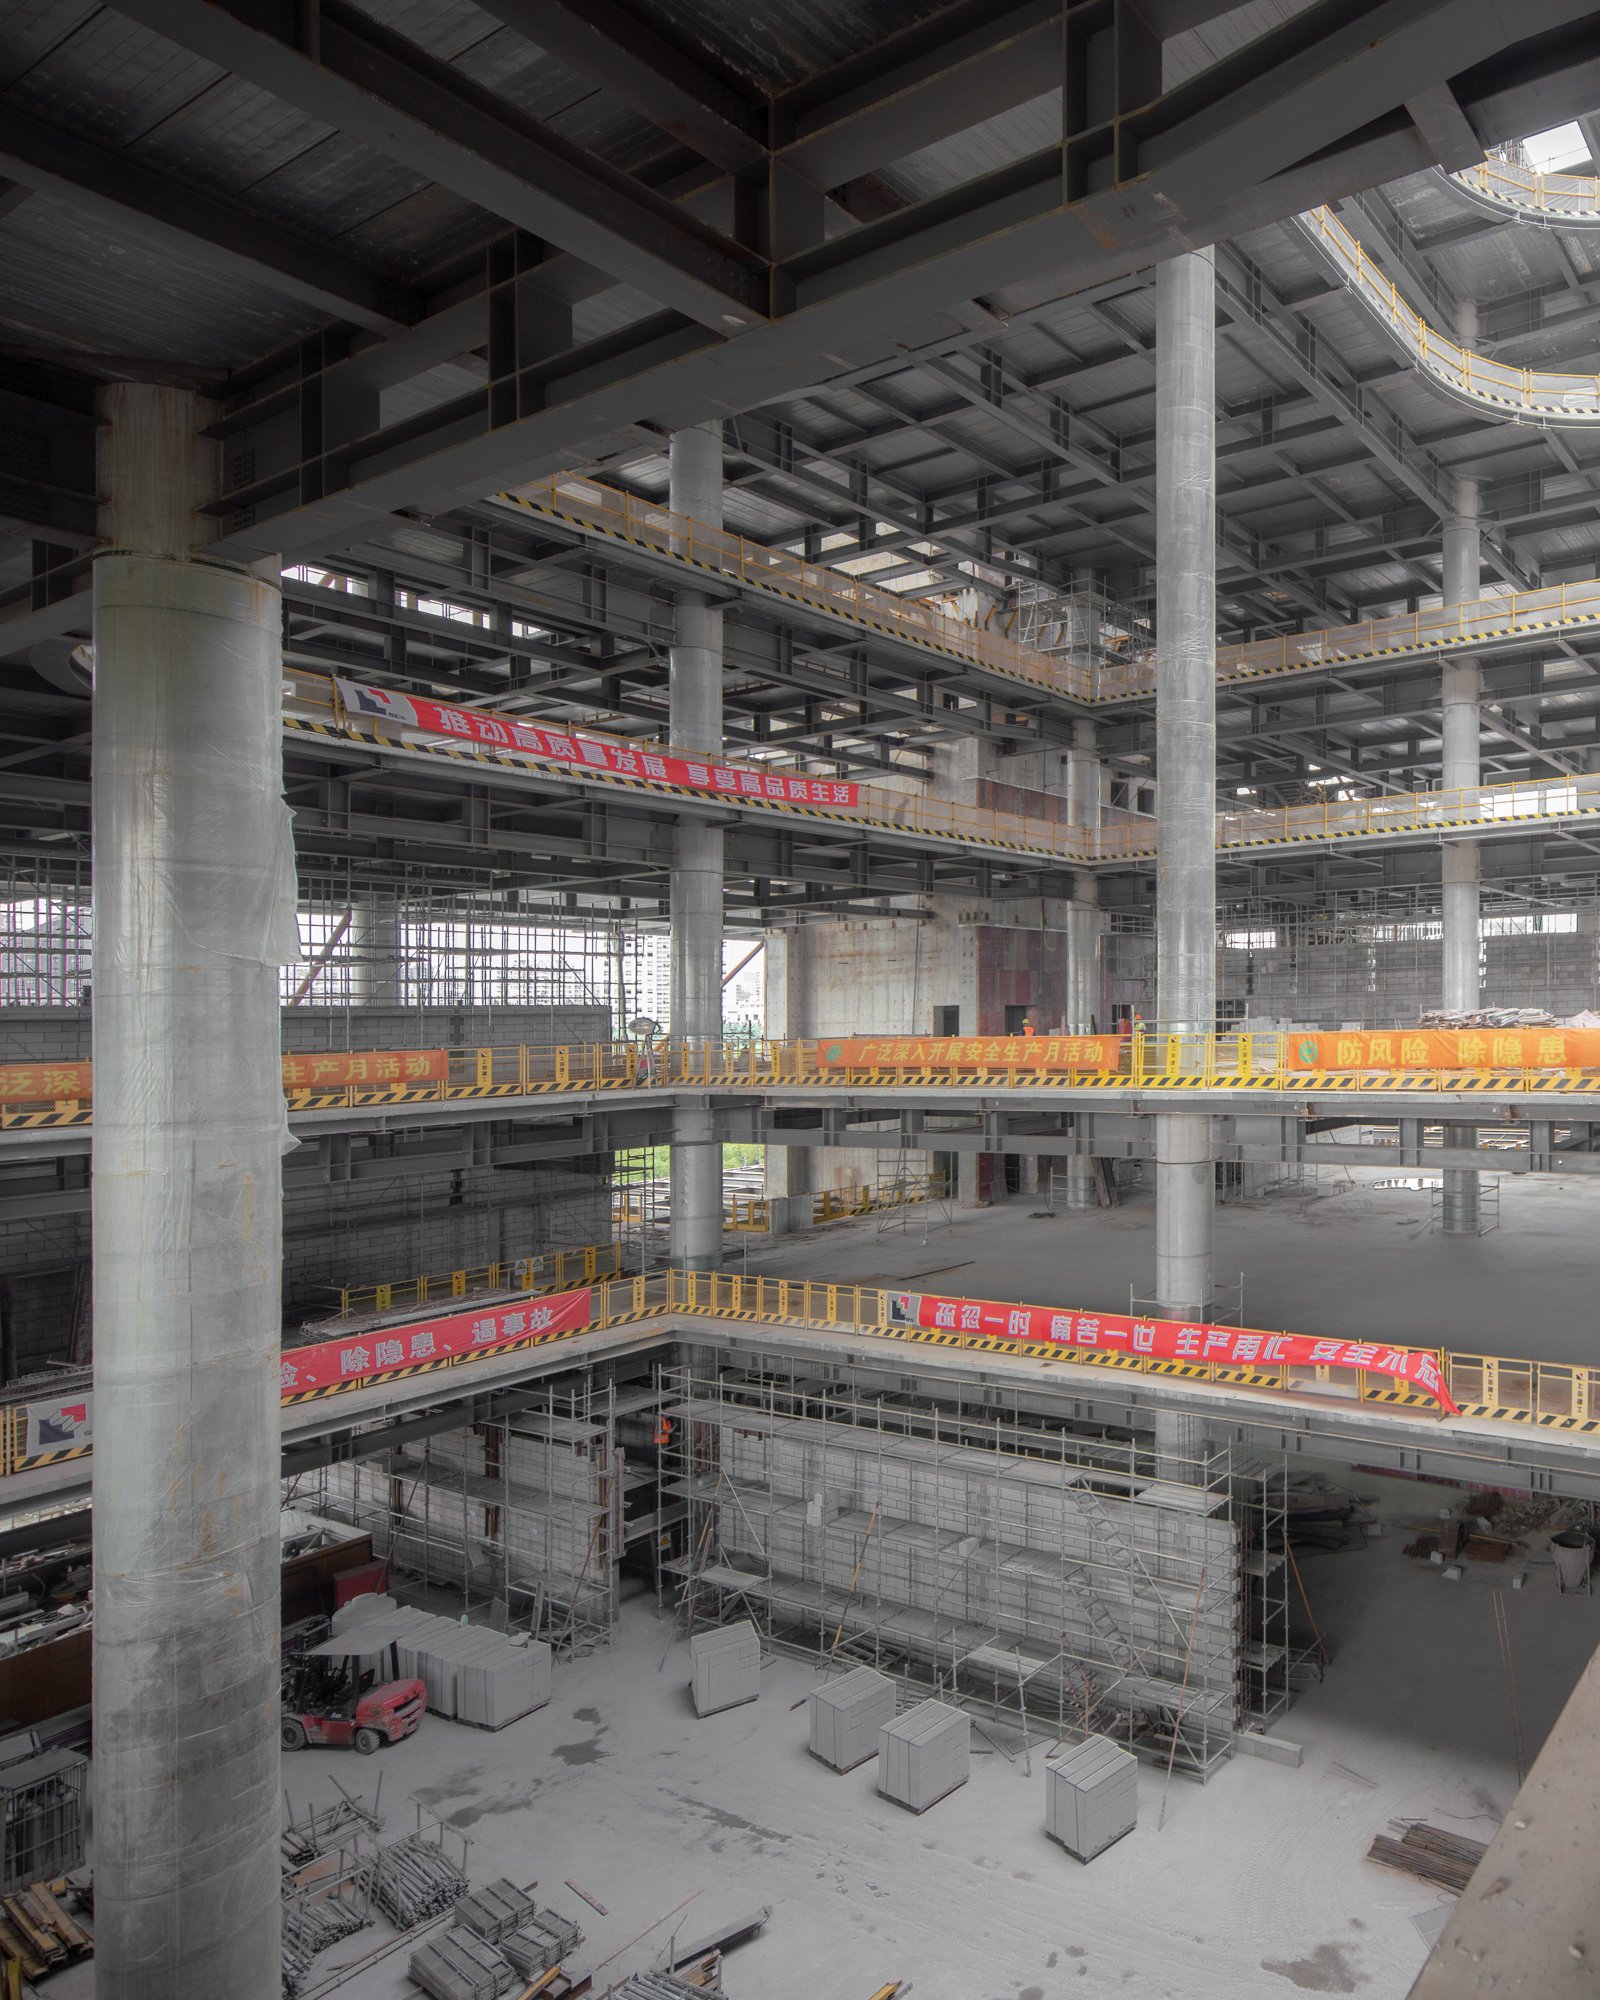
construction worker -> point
(663, 1431)
(1027, 1027)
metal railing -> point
(1438, 630)
(1149, 1060)
(1541, 197)
(312, 700)
(1390, 814)
(1545, 394)
(551, 1271)
(605, 510)
(1550, 1396)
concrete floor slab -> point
(1354, 1259)
(1255, 1888)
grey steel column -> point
(1186, 763)
(1083, 940)
(695, 700)
(1460, 769)
(193, 912)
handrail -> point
(610, 511)
(1530, 193)
(1503, 1390)
(1388, 814)
(1547, 396)
(607, 510)
(1309, 1063)
(546, 1271)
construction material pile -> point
(499, 1940)
(37, 1934)
(413, 1879)
(315, 1920)
(1489, 1017)
(1432, 1855)
(471, 1674)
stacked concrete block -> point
(924, 1755)
(847, 1716)
(1091, 1797)
(725, 1667)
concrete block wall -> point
(368, 1231)
(1384, 983)
(1011, 1547)
(307, 1029)
(531, 1529)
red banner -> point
(1035, 1052)
(330, 1363)
(333, 1069)
(503, 732)
(1167, 1339)
(40, 1083)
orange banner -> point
(1449, 1048)
(44, 1083)
(336, 1068)
(987, 1052)
(56, 1083)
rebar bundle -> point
(413, 1880)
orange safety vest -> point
(664, 1431)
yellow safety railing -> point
(751, 1213)
(1149, 1060)
(1558, 1397)
(549, 1271)
(1545, 394)
(1544, 196)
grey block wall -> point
(355, 1233)
(1019, 1546)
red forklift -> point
(347, 1690)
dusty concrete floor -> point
(1360, 1262)
(1255, 1888)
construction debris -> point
(1432, 1855)
(590, 1900)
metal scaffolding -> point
(521, 1516)
(997, 1559)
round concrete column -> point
(193, 913)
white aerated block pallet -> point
(1091, 1797)
(924, 1755)
(847, 1715)
(726, 1667)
